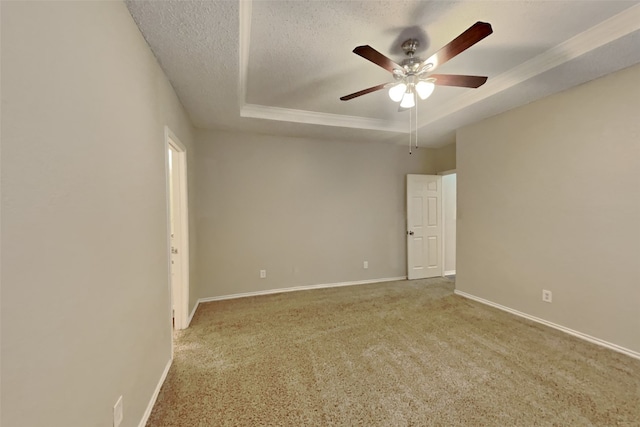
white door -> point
(424, 226)
(174, 231)
(178, 230)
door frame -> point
(444, 219)
(181, 308)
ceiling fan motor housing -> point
(413, 64)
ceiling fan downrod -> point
(410, 46)
(412, 64)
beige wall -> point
(308, 211)
(549, 198)
(85, 294)
(446, 157)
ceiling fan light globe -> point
(408, 100)
(396, 92)
(424, 89)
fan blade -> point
(458, 80)
(464, 41)
(369, 53)
(362, 92)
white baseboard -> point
(581, 335)
(154, 397)
(449, 273)
(292, 289)
(193, 312)
(300, 288)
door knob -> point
(410, 233)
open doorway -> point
(449, 215)
(178, 229)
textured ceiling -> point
(279, 67)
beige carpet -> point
(390, 354)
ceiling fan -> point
(413, 75)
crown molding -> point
(286, 114)
(323, 119)
(245, 9)
(599, 35)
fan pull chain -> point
(413, 120)
(410, 131)
(416, 121)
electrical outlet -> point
(263, 274)
(546, 295)
(118, 413)
(365, 264)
